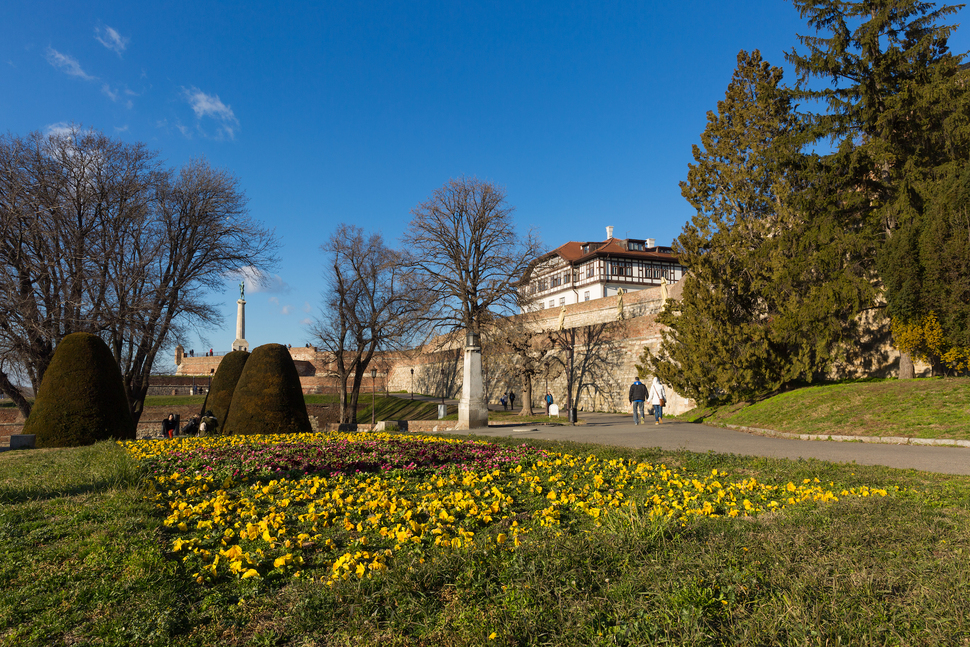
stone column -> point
(240, 343)
(472, 411)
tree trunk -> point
(571, 355)
(906, 369)
(526, 396)
(15, 394)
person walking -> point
(548, 402)
(512, 400)
(638, 394)
(658, 398)
(505, 402)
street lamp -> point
(412, 383)
(373, 394)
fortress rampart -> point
(604, 372)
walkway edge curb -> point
(884, 440)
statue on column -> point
(242, 291)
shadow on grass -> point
(39, 475)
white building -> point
(577, 272)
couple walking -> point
(657, 396)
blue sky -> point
(334, 112)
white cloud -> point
(287, 309)
(307, 307)
(257, 281)
(61, 129)
(121, 129)
(111, 39)
(211, 106)
(274, 300)
(67, 64)
(108, 92)
(306, 322)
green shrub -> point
(223, 385)
(82, 397)
(268, 398)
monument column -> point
(472, 411)
(241, 343)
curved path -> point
(609, 429)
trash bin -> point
(442, 411)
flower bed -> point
(339, 506)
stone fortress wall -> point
(437, 370)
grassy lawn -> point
(87, 561)
(923, 408)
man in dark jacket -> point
(638, 393)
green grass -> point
(84, 564)
(923, 408)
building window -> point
(566, 277)
(586, 295)
(589, 271)
(562, 301)
(552, 303)
(621, 268)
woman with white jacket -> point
(658, 398)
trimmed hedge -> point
(219, 397)
(268, 398)
(82, 397)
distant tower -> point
(241, 343)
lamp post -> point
(412, 383)
(373, 394)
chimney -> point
(651, 243)
(609, 232)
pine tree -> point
(896, 117)
(776, 277)
(718, 343)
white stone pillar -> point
(472, 410)
(240, 343)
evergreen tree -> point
(718, 343)
(895, 114)
(775, 279)
(82, 398)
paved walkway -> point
(619, 430)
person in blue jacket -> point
(638, 394)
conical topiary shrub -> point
(268, 398)
(82, 397)
(223, 384)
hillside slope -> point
(922, 408)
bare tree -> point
(98, 237)
(595, 361)
(199, 232)
(370, 306)
(463, 246)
